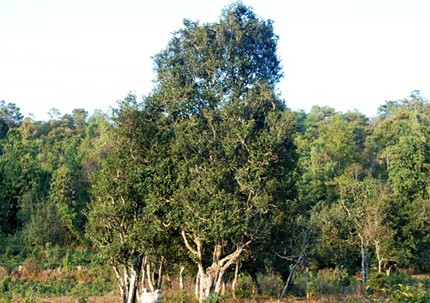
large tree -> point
(232, 144)
(125, 215)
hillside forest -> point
(213, 175)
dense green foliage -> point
(212, 169)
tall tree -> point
(125, 216)
(401, 146)
(328, 146)
(233, 137)
(10, 114)
(23, 181)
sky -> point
(346, 54)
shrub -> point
(214, 298)
(401, 293)
(330, 282)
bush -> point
(52, 288)
(12, 251)
(5, 294)
(401, 293)
(379, 282)
(398, 288)
(214, 298)
(330, 282)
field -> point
(30, 284)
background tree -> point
(10, 115)
(364, 202)
(401, 150)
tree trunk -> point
(364, 261)
(378, 256)
(223, 285)
(160, 273)
(197, 288)
(290, 276)
(207, 283)
(181, 277)
(143, 275)
(128, 282)
(210, 279)
(122, 284)
(255, 285)
(131, 298)
(234, 283)
(149, 277)
(307, 277)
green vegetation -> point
(213, 175)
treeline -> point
(46, 168)
(213, 172)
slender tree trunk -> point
(143, 275)
(378, 256)
(220, 281)
(160, 273)
(236, 276)
(122, 285)
(197, 287)
(149, 277)
(380, 263)
(131, 297)
(364, 261)
(255, 285)
(181, 277)
(308, 293)
(128, 282)
(290, 276)
(388, 270)
(223, 285)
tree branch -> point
(231, 258)
(187, 244)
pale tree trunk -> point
(181, 277)
(143, 275)
(290, 276)
(378, 256)
(160, 273)
(380, 263)
(388, 270)
(211, 278)
(236, 276)
(123, 289)
(133, 286)
(197, 287)
(223, 285)
(150, 282)
(128, 281)
(149, 279)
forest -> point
(213, 182)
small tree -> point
(364, 202)
(123, 218)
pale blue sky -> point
(347, 54)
